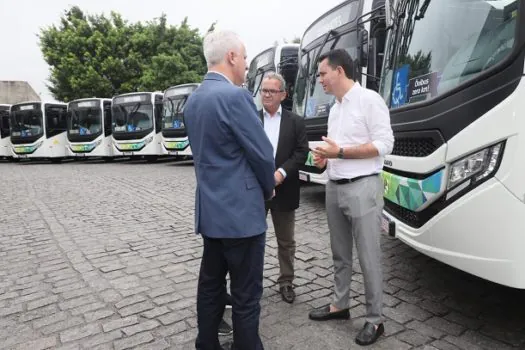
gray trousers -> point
(284, 224)
(354, 213)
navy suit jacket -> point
(233, 160)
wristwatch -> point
(341, 154)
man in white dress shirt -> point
(359, 136)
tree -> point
(420, 63)
(99, 56)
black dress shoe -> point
(288, 294)
(227, 345)
(369, 334)
(323, 313)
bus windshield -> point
(132, 117)
(310, 100)
(174, 101)
(325, 34)
(26, 121)
(439, 45)
(172, 112)
(85, 119)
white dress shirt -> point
(272, 127)
(360, 118)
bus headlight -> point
(477, 166)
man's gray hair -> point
(217, 44)
(276, 76)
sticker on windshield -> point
(399, 92)
(423, 87)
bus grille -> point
(414, 147)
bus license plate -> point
(388, 226)
(173, 153)
(304, 177)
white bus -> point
(137, 124)
(38, 130)
(359, 27)
(5, 132)
(281, 59)
(89, 128)
(174, 138)
(454, 189)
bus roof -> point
(185, 89)
(91, 99)
(325, 23)
(39, 102)
(182, 85)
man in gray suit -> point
(359, 136)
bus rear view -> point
(454, 189)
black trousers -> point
(243, 258)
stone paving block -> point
(98, 277)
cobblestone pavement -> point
(102, 256)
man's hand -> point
(320, 162)
(279, 178)
(329, 151)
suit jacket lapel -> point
(261, 116)
(283, 131)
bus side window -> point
(107, 118)
(51, 121)
(158, 116)
(4, 127)
(62, 118)
(56, 121)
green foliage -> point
(100, 56)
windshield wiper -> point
(403, 35)
(123, 110)
(316, 64)
(259, 70)
(16, 122)
(176, 110)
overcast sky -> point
(259, 22)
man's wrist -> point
(341, 153)
(282, 171)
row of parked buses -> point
(141, 124)
(451, 73)
(449, 70)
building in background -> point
(12, 92)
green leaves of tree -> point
(100, 56)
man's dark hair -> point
(340, 58)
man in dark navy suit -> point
(234, 167)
